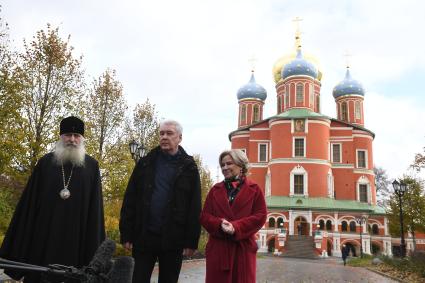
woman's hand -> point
(227, 227)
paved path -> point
(287, 270)
(291, 270)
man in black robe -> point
(59, 218)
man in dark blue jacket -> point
(160, 212)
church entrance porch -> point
(301, 226)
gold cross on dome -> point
(297, 21)
(252, 61)
(347, 56)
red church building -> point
(316, 171)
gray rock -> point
(376, 261)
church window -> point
(262, 152)
(318, 104)
(311, 95)
(298, 184)
(271, 222)
(352, 226)
(300, 93)
(375, 229)
(256, 117)
(357, 110)
(287, 94)
(279, 104)
(299, 149)
(336, 152)
(363, 193)
(344, 111)
(344, 227)
(328, 225)
(243, 113)
(361, 159)
(321, 224)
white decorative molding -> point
(298, 170)
(300, 160)
(362, 180)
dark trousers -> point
(170, 262)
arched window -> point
(287, 94)
(280, 222)
(300, 93)
(322, 224)
(344, 113)
(256, 117)
(318, 104)
(344, 226)
(311, 89)
(328, 225)
(375, 229)
(357, 110)
(243, 113)
(271, 222)
(352, 226)
(279, 104)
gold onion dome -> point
(286, 59)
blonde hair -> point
(239, 157)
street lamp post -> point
(400, 189)
(361, 220)
(137, 150)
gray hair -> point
(176, 125)
(239, 157)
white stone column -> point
(291, 223)
(336, 222)
(310, 220)
(262, 247)
(336, 251)
(386, 226)
(366, 244)
(387, 247)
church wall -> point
(317, 140)
(258, 175)
(344, 184)
(281, 139)
(241, 142)
(280, 179)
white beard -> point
(70, 153)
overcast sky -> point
(190, 57)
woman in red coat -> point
(234, 211)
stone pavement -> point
(290, 270)
(286, 270)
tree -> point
(413, 204)
(382, 186)
(10, 101)
(145, 125)
(52, 87)
(419, 161)
(105, 113)
(206, 184)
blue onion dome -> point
(299, 66)
(348, 86)
(252, 90)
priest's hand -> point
(128, 246)
(188, 252)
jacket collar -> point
(246, 193)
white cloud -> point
(190, 57)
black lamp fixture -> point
(400, 189)
(361, 221)
(137, 150)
